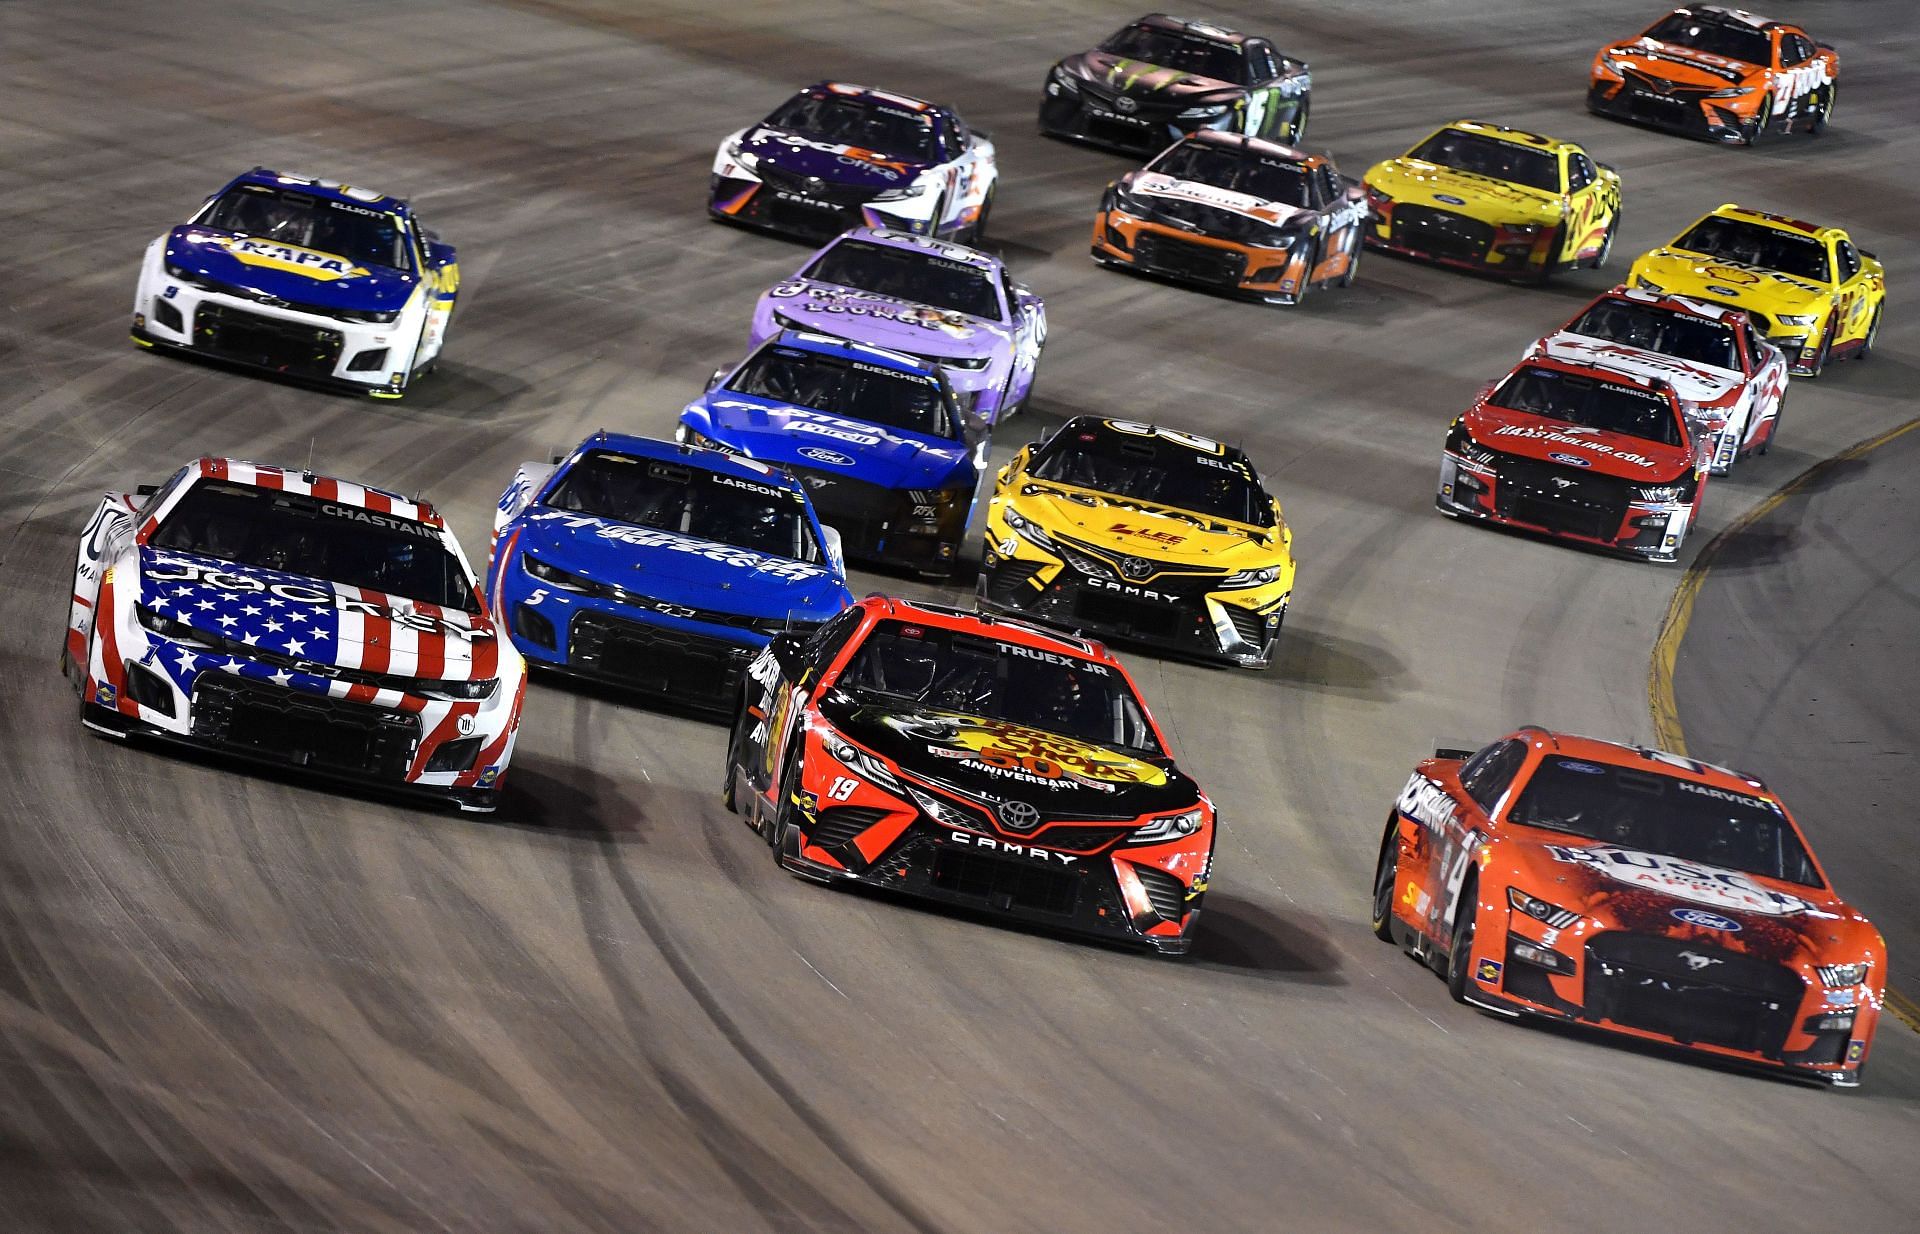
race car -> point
(888, 458)
(1237, 214)
(975, 762)
(1722, 74)
(1495, 199)
(1731, 382)
(957, 307)
(657, 567)
(1160, 78)
(1140, 533)
(836, 156)
(1582, 453)
(1587, 881)
(295, 620)
(313, 279)
(1816, 295)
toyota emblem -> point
(1134, 568)
(1125, 106)
(1019, 815)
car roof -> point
(327, 190)
(1520, 137)
(1256, 145)
(1187, 25)
(1008, 629)
(846, 349)
(1735, 16)
(1644, 758)
(891, 238)
(326, 488)
(1667, 300)
(1179, 437)
(1779, 222)
(718, 461)
(868, 94)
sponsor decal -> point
(1573, 460)
(1855, 1049)
(1034, 653)
(833, 301)
(177, 570)
(105, 694)
(487, 776)
(1027, 755)
(892, 169)
(820, 454)
(1842, 998)
(1718, 290)
(375, 519)
(1705, 920)
(1706, 885)
(1535, 433)
(1487, 972)
(1428, 804)
(1585, 769)
(1154, 185)
(1721, 794)
(321, 267)
(1147, 533)
(1450, 199)
(989, 844)
(763, 490)
(1126, 589)
(1019, 815)
(1698, 963)
(651, 537)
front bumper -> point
(789, 206)
(1093, 115)
(1450, 238)
(1678, 109)
(1586, 508)
(1275, 275)
(364, 357)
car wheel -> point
(979, 228)
(1464, 914)
(1353, 265)
(729, 794)
(1873, 332)
(1762, 121)
(1773, 429)
(1823, 114)
(1606, 243)
(1306, 275)
(1386, 876)
(1826, 348)
(1546, 270)
(774, 830)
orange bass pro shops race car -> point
(1633, 890)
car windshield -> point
(911, 275)
(1664, 814)
(856, 122)
(1486, 156)
(1683, 336)
(1256, 175)
(1175, 49)
(691, 501)
(970, 675)
(361, 234)
(1199, 479)
(1591, 402)
(1731, 39)
(852, 388)
(299, 534)
(1753, 244)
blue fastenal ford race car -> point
(658, 567)
(887, 455)
(313, 279)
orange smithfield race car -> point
(976, 762)
(1632, 890)
(1722, 74)
(1237, 214)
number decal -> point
(842, 787)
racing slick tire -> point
(1822, 115)
(1386, 875)
(1762, 121)
(1465, 913)
(979, 225)
(1606, 244)
(1826, 348)
(1549, 267)
(1873, 333)
(1773, 429)
(729, 793)
(1353, 267)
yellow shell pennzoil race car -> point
(1144, 534)
(1499, 200)
(1816, 295)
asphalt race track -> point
(231, 1002)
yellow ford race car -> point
(1142, 534)
(1817, 297)
(1490, 198)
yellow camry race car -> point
(1490, 198)
(1143, 534)
(1817, 297)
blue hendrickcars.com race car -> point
(658, 567)
(888, 457)
(313, 279)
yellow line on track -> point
(1666, 648)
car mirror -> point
(789, 652)
(1866, 253)
(145, 490)
(718, 376)
(1606, 167)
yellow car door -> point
(1590, 207)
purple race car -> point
(836, 156)
(955, 306)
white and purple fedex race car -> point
(296, 620)
(954, 306)
(836, 156)
(318, 281)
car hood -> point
(849, 166)
(883, 321)
(1648, 893)
(1137, 529)
(671, 568)
(305, 618)
(1728, 282)
(1153, 184)
(1418, 182)
(1696, 383)
(1096, 782)
(785, 435)
(1555, 441)
(1682, 65)
(1140, 80)
(302, 276)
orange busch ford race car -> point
(974, 761)
(1633, 890)
(1579, 452)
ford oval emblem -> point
(1450, 199)
(1572, 460)
(1718, 290)
(1706, 920)
(820, 454)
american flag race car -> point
(297, 620)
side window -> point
(1488, 773)
(1260, 64)
(1579, 171)
(1795, 50)
(830, 639)
(958, 139)
(1329, 181)
(160, 495)
(1849, 260)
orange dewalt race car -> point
(975, 761)
(1722, 74)
(1633, 890)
